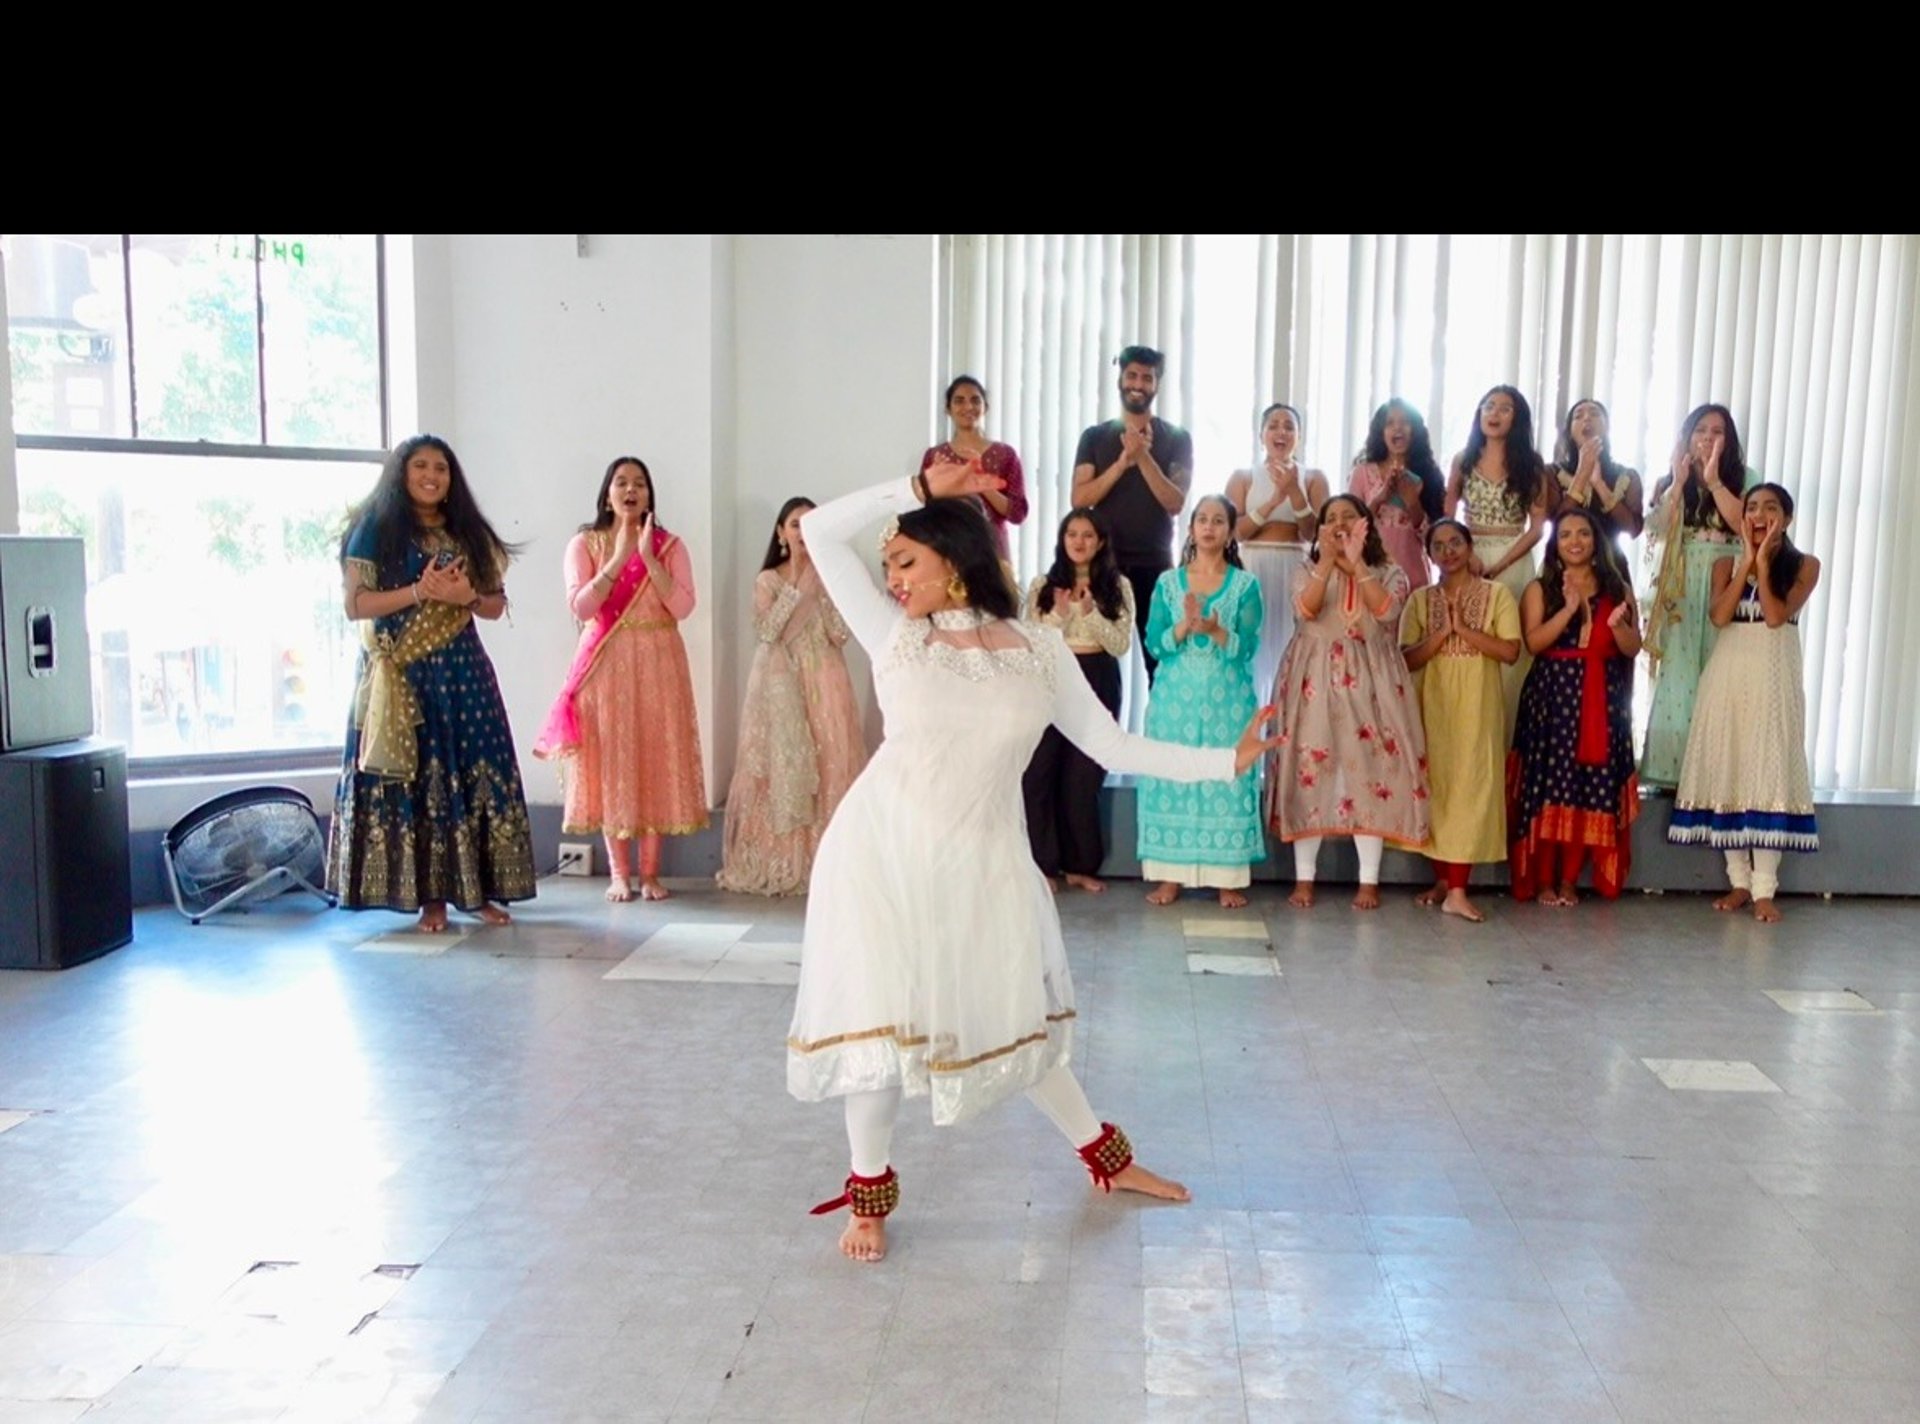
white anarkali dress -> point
(933, 960)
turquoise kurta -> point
(1203, 696)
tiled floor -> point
(1441, 1171)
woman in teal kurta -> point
(1695, 510)
(1204, 627)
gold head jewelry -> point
(888, 531)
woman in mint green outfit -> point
(1695, 510)
(1204, 627)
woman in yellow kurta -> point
(1458, 635)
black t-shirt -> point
(1141, 527)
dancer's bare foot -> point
(619, 890)
(652, 889)
(494, 915)
(433, 917)
(1433, 894)
(865, 1239)
(1302, 896)
(1232, 900)
(1457, 903)
(1766, 912)
(1135, 1178)
(1734, 899)
(1165, 893)
(1092, 884)
(1367, 897)
(1568, 895)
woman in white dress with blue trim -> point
(933, 962)
(1744, 787)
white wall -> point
(833, 343)
(9, 475)
(742, 369)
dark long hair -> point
(1433, 484)
(1189, 549)
(1103, 574)
(1786, 563)
(1607, 573)
(1733, 466)
(1373, 552)
(603, 502)
(1566, 454)
(389, 512)
(777, 551)
(1524, 466)
(957, 531)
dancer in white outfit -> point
(933, 961)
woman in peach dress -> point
(801, 743)
(624, 725)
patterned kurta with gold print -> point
(438, 813)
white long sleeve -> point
(832, 530)
(1090, 727)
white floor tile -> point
(1710, 1075)
(686, 951)
(1821, 1001)
(1212, 927)
(1252, 965)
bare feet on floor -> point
(865, 1239)
(1135, 1178)
(1735, 899)
(1433, 894)
(652, 889)
(619, 891)
(1232, 900)
(1457, 903)
(433, 917)
(1766, 912)
(494, 915)
(1092, 884)
(1165, 893)
(1302, 896)
(1568, 894)
(1367, 897)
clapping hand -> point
(1135, 444)
(1444, 616)
(1353, 542)
(948, 479)
(1622, 616)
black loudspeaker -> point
(46, 673)
(66, 887)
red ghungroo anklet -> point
(868, 1196)
(1107, 1156)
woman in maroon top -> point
(967, 409)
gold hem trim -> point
(625, 833)
(795, 1045)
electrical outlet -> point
(575, 858)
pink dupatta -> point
(561, 735)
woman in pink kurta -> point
(801, 743)
(624, 725)
(1399, 483)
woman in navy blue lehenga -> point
(430, 810)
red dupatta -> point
(1595, 735)
(561, 735)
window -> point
(202, 410)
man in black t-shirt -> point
(1136, 470)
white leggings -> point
(870, 1118)
(1756, 871)
(1306, 855)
